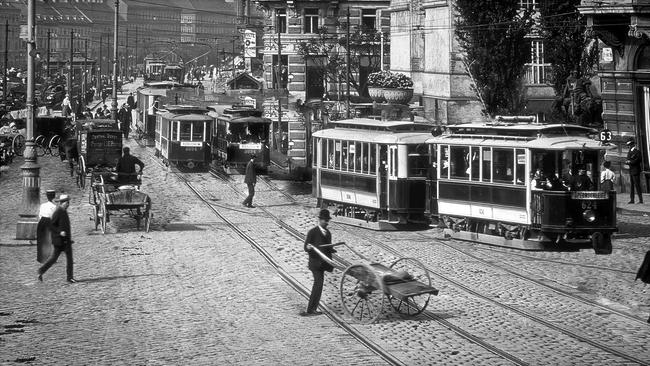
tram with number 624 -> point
(511, 183)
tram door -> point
(383, 175)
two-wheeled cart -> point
(366, 287)
(108, 197)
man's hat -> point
(630, 141)
(253, 156)
(12, 124)
(63, 198)
(324, 214)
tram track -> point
(339, 321)
(520, 312)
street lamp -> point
(26, 227)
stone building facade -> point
(624, 70)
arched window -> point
(643, 59)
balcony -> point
(614, 7)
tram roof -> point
(185, 116)
(184, 109)
(518, 129)
(566, 142)
(153, 91)
(373, 124)
(377, 137)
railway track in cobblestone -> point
(527, 315)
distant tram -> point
(183, 135)
(522, 185)
(240, 132)
(373, 172)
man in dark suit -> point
(250, 180)
(316, 238)
(125, 168)
(634, 162)
(61, 239)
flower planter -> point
(376, 94)
(398, 96)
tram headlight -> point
(589, 215)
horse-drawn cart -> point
(109, 196)
(366, 287)
(99, 145)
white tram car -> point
(373, 172)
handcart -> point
(366, 286)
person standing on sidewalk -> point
(634, 162)
(316, 238)
(61, 239)
(250, 180)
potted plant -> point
(376, 81)
(398, 88)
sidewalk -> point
(625, 208)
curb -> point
(626, 211)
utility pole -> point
(26, 228)
(125, 56)
(69, 79)
(99, 69)
(49, 35)
(234, 74)
(115, 45)
(136, 50)
(347, 73)
(85, 82)
(279, 79)
(6, 63)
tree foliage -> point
(327, 52)
(492, 34)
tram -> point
(522, 185)
(153, 69)
(373, 172)
(240, 131)
(183, 135)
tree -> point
(572, 56)
(492, 34)
(327, 51)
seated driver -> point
(126, 167)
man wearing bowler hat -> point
(61, 239)
(250, 180)
(318, 237)
(634, 162)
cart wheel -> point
(362, 293)
(412, 305)
(39, 145)
(81, 173)
(18, 144)
(53, 146)
(96, 216)
(103, 217)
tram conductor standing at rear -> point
(250, 179)
(317, 237)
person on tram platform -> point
(582, 182)
(125, 168)
(538, 180)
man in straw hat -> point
(634, 162)
(250, 179)
(318, 237)
(61, 239)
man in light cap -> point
(61, 239)
(634, 163)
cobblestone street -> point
(193, 291)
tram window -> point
(458, 162)
(487, 164)
(503, 165)
(344, 155)
(337, 154)
(473, 162)
(357, 153)
(324, 153)
(197, 131)
(520, 168)
(418, 160)
(174, 135)
(372, 159)
(186, 131)
(444, 162)
(393, 163)
(330, 154)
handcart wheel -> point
(18, 144)
(103, 217)
(96, 216)
(412, 305)
(81, 173)
(362, 293)
(53, 146)
(39, 145)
